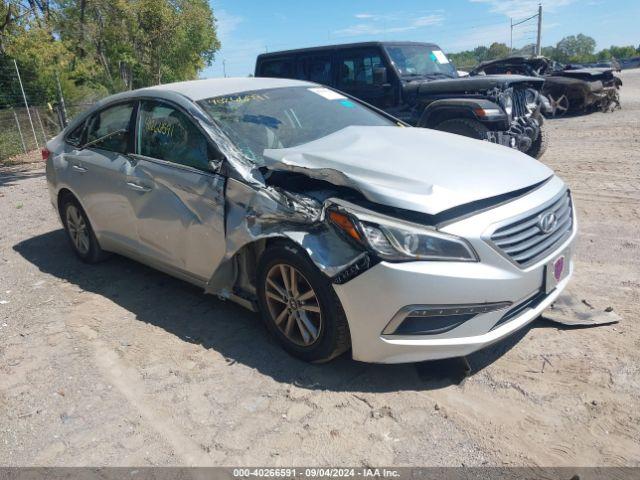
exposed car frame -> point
(568, 89)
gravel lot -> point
(117, 364)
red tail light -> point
(45, 154)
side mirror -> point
(215, 165)
(380, 76)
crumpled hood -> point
(412, 168)
(475, 83)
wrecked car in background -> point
(568, 89)
(417, 83)
(341, 225)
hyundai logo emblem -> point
(547, 222)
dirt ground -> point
(117, 364)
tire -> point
(75, 219)
(330, 323)
(539, 146)
(464, 126)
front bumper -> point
(522, 132)
(375, 297)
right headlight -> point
(399, 242)
(506, 102)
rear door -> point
(97, 175)
(177, 199)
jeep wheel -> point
(464, 126)
(539, 145)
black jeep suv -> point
(417, 83)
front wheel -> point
(464, 126)
(299, 306)
(539, 145)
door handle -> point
(78, 168)
(138, 188)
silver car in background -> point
(342, 226)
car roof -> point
(185, 93)
(341, 46)
(213, 87)
(195, 90)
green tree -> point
(497, 50)
(481, 53)
(98, 47)
(576, 49)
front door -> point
(178, 201)
(354, 70)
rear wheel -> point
(299, 306)
(79, 232)
(464, 126)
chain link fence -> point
(25, 131)
(25, 127)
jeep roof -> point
(342, 46)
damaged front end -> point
(257, 217)
(523, 107)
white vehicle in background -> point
(345, 228)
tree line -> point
(98, 47)
(571, 49)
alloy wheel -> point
(78, 230)
(293, 305)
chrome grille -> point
(519, 103)
(524, 241)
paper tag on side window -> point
(328, 94)
(440, 57)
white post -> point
(44, 135)
(511, 44)
(15, 115)
(538, 45)
(35, 137)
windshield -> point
(286, 117)
(420, 61)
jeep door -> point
(354, 70)
(178, 199)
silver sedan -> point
(343, 227)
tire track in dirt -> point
(129, 383)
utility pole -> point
(224, 68)
(24, 97)
(511, 41)
(538, 41)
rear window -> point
(76, 135)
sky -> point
(247, 28)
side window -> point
(276, 68)
(75, 136)
(357, 69)
(319, 70)
(109, 128)
(168, 134)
